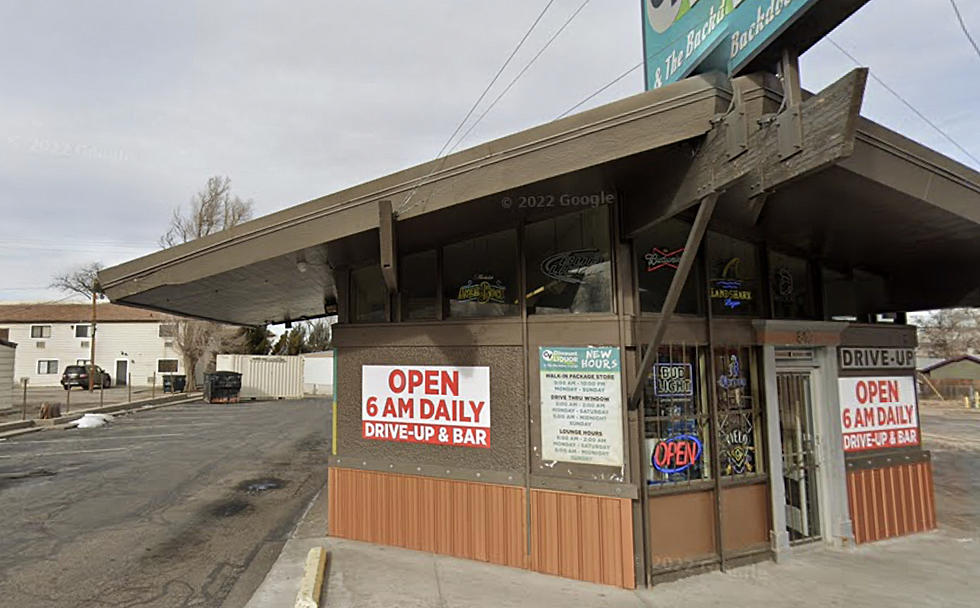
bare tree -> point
(212, 210)
(81, 280)
(199, 340)
(950, 333)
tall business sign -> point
(683, 37)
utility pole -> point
(91, 361)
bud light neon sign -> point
(676, 454)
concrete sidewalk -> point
(934, 569)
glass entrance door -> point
(799, 455)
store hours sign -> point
(426, 404)
(581, 405)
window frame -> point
(44, 329)
(612, 242)
(37, 367)
(446, 290)
(176, 365)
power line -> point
(969, 36)
(510, 58)
(521, 73)
(646, 58)
(476, 104)
(592, 96)
(907, 103)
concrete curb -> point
(23, 427)
(19, 432)
(312, 581)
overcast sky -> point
(113, 113)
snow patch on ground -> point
(91, 421)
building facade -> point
(131, 345)
(640, 342)
(953, 378)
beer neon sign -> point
(676, 454)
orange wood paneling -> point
(584, 537)
(745, 517)
(891, 501)
(476, 521)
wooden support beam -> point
(673, 294)
(389, 245)
(789, 123)
(829, 120)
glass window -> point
(480, 276)
(168, 330)
(167, 366)
(81, 331)
(658, 252)
(789, 281)
(418, 285)
(368, 295)
(40, 331)
(733, 266)
(676, 421)
(739, 412)
(840, 302)
(568, 263)
(48, 366)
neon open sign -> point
(676, 454)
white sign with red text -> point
(878, 413)
(426, 404)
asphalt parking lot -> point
(185, 505)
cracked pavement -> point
(186, 505)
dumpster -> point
(174, 383)
(222, 387)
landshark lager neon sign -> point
(730, 288)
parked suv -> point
(77, 375)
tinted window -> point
(418, 284)
(789, 281)
(568, 264)
(733, 266)
(368, 295)
(657, 253)
(480, 276)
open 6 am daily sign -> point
(878, 413)
(581, 405)
(426, 404)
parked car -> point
(77, 375)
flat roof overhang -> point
(248, 274)
(892, 207)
